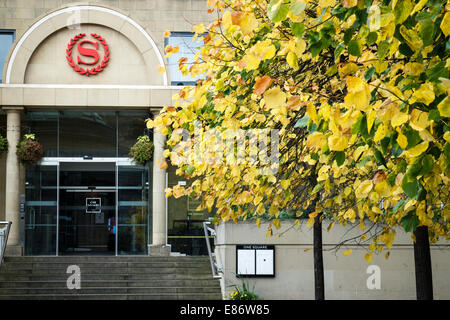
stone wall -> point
(155, 16)
(345, 276)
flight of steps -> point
(110, 278)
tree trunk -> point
(422, 260)
(319, 282)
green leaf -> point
(340, 157)
(402, 10)
(297, 7)
(410, 186)
(302, 123)
(426, 31)
(354, 48)
(379, 157)
(410, 222)
(437, 71)
(413, 137)
(317, 188)
(298, 29)
(372, 38)
(405, 50)
(421, 167)
(338, 51)
(383, 48)
(190, 169)
(434, 115)
(277, 11)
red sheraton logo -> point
(88, 54)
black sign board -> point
(93, 205)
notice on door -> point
(93, 205)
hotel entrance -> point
(87, 208)
(76, 206)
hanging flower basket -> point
(29, 151)
(142, 150)
(3, 145)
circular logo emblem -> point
(88, 54)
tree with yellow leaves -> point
(354, 93)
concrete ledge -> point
(159, 250)
(14, 251)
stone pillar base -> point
(159, 250)
(14, 251)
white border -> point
(87, 86)
(74, 8)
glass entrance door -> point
(87, 208)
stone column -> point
(159, 246)
(12, 185)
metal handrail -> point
(4, 233)
(215, 268)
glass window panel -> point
(41, 210)
(131, 126)
(45, 126)
(185, 223)
(133, 209)
(132, 240)
(188, 48)
(6, 41)
(87, 133)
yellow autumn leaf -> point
(412, 38)
(424, 94)
(337, 143)
(350, 214)
(292, 60)
(161, 69)
(444, 107)
(371, 115)
(276, 223)
(246, 21)
(312, 113)
(368, 257)
(285, 184)
(310, 222)
(381, 132)
(358, 93)
(445, 24)
(402, 140)
(413, 68)
(383, 188)
(419, 120)
(258, 222)
(199, 29)
(315, 140)
(150, 124)
(364, 188)
(417, 150)
(274, 98)
(167, 34)
(447, 136)
(347, 252)
(399, 119)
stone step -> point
(104, 276)
(111, 283)
(200, 296)
(101, 265)
(108, 290)
(79, 259)
(111, 278)
(54, 271)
